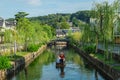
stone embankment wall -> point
(20, 64)
(107, 71)
(2, 74)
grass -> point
(18, 55)
(116, 67)
(22, 53)
(110, 62)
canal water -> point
(44, 68)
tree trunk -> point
(25, 45)
(96, 44)
(15, 48)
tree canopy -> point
(20, 15)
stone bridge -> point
(59, 43)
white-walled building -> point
(7, 24)
(4, 24)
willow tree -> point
(108, 26)
(87, 34)
(43, 33)
(8, 39)
(75, 38)
(116, 6)
(8, 36)
(97, 16)
(11, 36)
(25, 30)
(105, 16)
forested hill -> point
(54, 19)
(61, 19)
(82, 15)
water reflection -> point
(44, 68)
(26, 73)
(34, 71)
(61, 66)
(62, 73)
(96, 75)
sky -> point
(8, 8)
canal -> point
(44, 68)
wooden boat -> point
(59, 65)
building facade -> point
(7, 24)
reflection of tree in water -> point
(96, 75)
(75, 57)
(26, 74)
(70, 56)
(88, 66)
(45, 58)
(84, 65)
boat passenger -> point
(62, 57)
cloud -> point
(34, 2)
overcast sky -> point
(8, 8)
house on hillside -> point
(10, 24)
(7, 24)
(64, 32)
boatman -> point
(62, 57)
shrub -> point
(89, 49)
(33, 47)
(4, 62)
